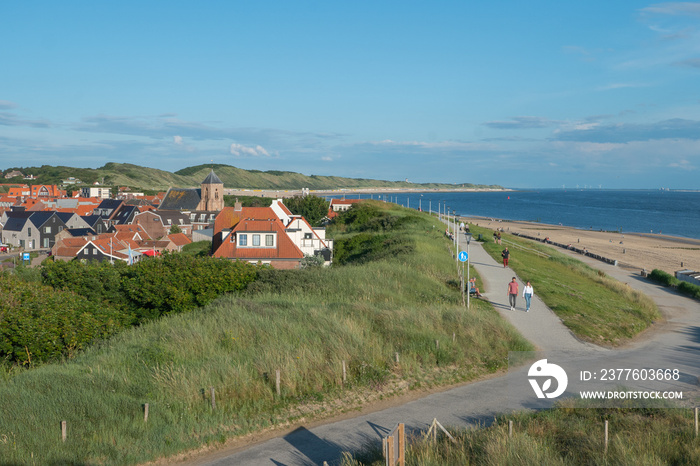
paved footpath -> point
(675, 343)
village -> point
(94, 225)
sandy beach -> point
(635, 251)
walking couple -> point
(513, 294)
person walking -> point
(506, 255)
(512, 293)
(527, 294)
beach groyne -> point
(569, 247)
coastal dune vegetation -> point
(149, 179)
(571, 434)
(394, 289)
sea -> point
(675, 213)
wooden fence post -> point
(606, 437)
(213, 398)
(345, 374)
(397, 357)
(145, 412)
(437, 344)
(510, 429)
(390, 453)
(696, 421)
(402, 444)
(277, 382)
(64, 430)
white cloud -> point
(674, 8)
(682, 164)
(239, 150)
(177, 140)
(327, 159)
(613, 86)
(441, 145)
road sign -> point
(25, 256)
(463, 256)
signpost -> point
(463, 256)
(26, 257)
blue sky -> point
(522, 94)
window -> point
(256, 240)
(47, 229)
(269, 240)
(46, 242)
(243, 240)
(308, 236)
(29, 232)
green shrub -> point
(368, 247)
(689, 289)
(313, 208)
(39, 324)
(177, 283)
(359, 215)
(662, 277)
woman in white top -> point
(527, 294)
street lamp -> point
(468, 235)
(454, 230)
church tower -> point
(212, 194)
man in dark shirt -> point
(506, 255)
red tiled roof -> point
(285, 249)
(179, 239)
(226, 219)
(345, 201)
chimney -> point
(237, 207)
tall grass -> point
(596, 307)
(568, 435)
(303, 323)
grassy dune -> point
(303, 323)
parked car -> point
(4, 248)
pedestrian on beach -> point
(505, 254)
(512, 293)
(498, 237)
(527, 294)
